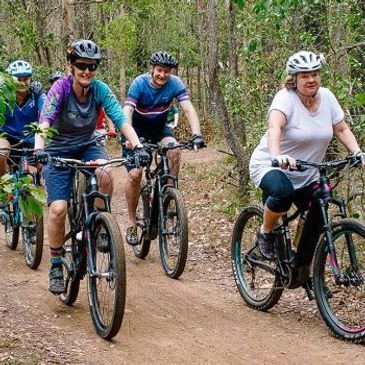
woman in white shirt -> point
(302, 119)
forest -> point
(231, 53)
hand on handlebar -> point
(141, 156)
(359, 159)
(284, 162)
(41, 156)
(197, 141)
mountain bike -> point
(93, 246)
(161, 212)
(338, 262)
(11, 214)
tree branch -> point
(347, 49)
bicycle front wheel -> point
(173, 233)
(11, 232)
(260, 288)
(142, 220)
(341, 302)
(71, 272)
(107, 288)
(33, 242)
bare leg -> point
(132, 192)
(173, 156)
(56, 223)
(270, 219)
(3, 156)
(106, 184)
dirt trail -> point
(198, 319)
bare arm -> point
(109, 124)
(191, 116)
(38, 139)
(277, 121)
(127, 129)
(347, 138)
(128, 111)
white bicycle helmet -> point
(304, 61)
(20, 68)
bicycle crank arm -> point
(100, 275)
(261, 264)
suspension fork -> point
(329, 237)
(349, 241)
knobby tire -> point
(342, 307)
(144, 243)
(109, 258)
(259, 288)
(173, 233)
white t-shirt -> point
(305, 136)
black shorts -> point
(166, 132)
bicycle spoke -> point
(259, 287)
(341, 299)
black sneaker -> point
(132, 236)
(266, 243)
(56, 282)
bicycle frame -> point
(157, 181)
(324, 196)
(18, 171)
(84, 214)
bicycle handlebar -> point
(71, 162)
(302, 165)
(163, 148)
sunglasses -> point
(83, 66)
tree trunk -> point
(233, 59)
(223, 114)
(122, 79)
(67, 25)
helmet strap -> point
(84, 89)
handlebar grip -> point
(274, 163)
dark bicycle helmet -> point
(20, 68)
(304, 61)
(55, 76)
(83, 48)
(163, 58)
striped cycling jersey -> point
(151, 105)
(75, 121)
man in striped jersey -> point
(146, 108)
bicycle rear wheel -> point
(173, 233)
(107, 290)
(260, 288)
(342, 306)
(72, 277)
(11, 232)
(33, 242)
(142, 218)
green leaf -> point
(240, 3)
(360, 99)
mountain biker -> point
(72, 107)
(53, 77)
(146, 107)
(29, 101)
(302, 119)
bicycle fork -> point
(340, 277)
